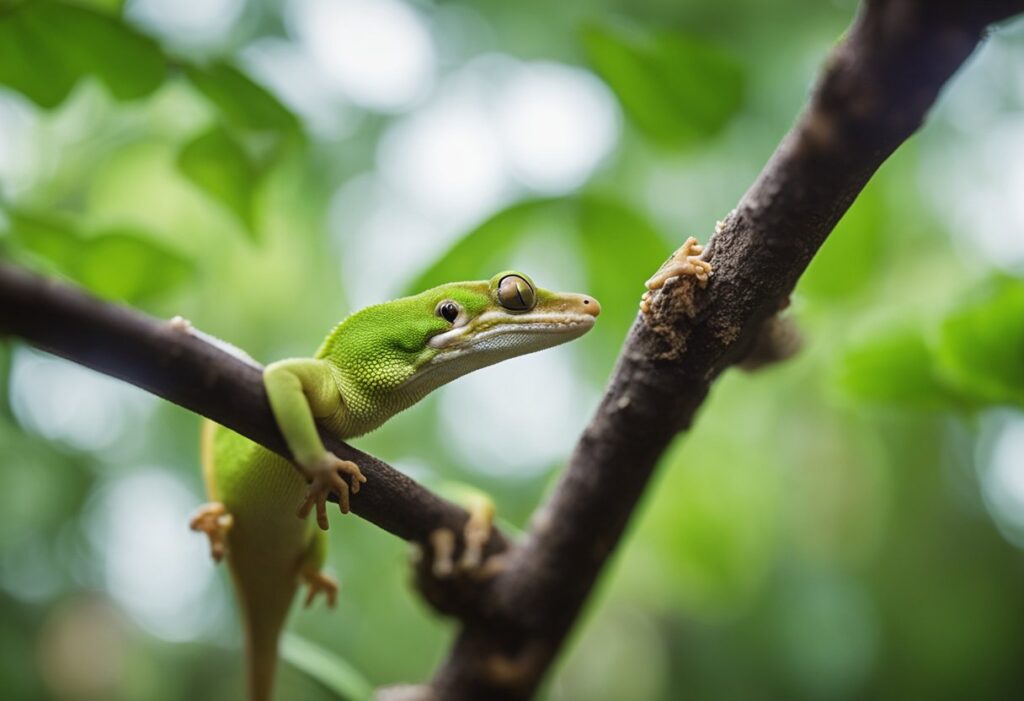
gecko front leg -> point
(300, 391)
(685, 261)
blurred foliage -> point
(661, 77)
(244, 104)
(143, 268)
(896, 367)
(322, 665)
(217, 163)
(844, 526)
(973, 358)
(229, 167)
(47, 48)
(981, 344)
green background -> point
(847, 525)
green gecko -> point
(373, 365)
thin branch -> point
(874, 92)
(198, 376)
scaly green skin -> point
(374, 364)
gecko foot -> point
(317, 582)
(685, 261)
(475, 535)
(215, 521)
(328, 476)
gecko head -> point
(410, 346)
(483, 322)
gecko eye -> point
(448, 310)
(516, 294)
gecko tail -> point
(261, 660)
(264, 618)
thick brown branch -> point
(873, 94)
(194, 374)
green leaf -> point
(228, 165)
(119, 264)
(32, 64)
(218, 164)
(46, 48)
(129, 64)
(325, 667)
(122, 264)
(244, 104)
(981, 344)
(895, 367)
(47, 237)
(675, 88)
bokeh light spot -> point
(71, 404)
(557, 124)
(446, 158)
(17, 154)
(154, 567)
(1003, 472)
(378, 53)
(533, 402)
(190, 22)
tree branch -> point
(198, 376)
(874, 92)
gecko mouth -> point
(496, 336)
(502, 331)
